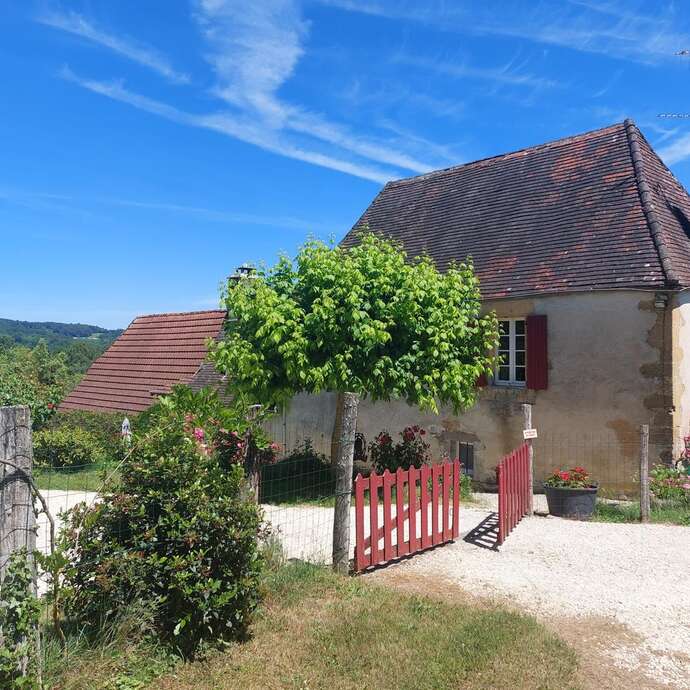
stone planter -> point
(571, 503)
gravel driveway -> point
(636, 575)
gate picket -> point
(445, 496)
(514, 490)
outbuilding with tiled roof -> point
(154, 353)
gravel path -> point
(637, 575)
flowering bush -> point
(411, 451)
(574, 478)
(670, 483)
(178, 534)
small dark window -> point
(360, 448)
(682, 219)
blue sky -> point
(149, 147)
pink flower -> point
(199, 434)
(274, 447)
(686, 486)
(189, 418)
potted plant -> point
(571, 493)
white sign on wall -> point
(529, 433)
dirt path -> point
(618, 592)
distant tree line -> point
(57, 336)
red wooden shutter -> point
(537, 353)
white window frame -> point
(512, 351)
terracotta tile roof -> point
(152, 354)
(593, 211)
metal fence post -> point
(644, 473)
(527, 412)
(17, 518)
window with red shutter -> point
(537, 353)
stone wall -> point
(609, 371)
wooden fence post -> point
(343, 485)
(17, 518)
(644, 473)
(527, 413)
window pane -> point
(519, 373)
(520, 327)
(504, 327)
(504, 373)
(520, 358)
(504, 343)
(519, 342)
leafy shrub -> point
(304, 475)
(670, 483)
(575, 478)
(34, 377)
(66, 448)
(411, 451)
(179, 534)
(19, 617)
(105, 426)
(465, 486)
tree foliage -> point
(34, 377)
(368, 320)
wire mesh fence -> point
(613, 460)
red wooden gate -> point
(514, 490)
(427, 505)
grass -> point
(607, 511)
(83, 478)
(318, 630)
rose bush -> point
(411, 451)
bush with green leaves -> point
(670, 484)
(180, 533)
(19, 619)
(34, 377)
(68, 448)
(106, 427)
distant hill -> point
(58, 336)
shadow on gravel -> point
(485, 534)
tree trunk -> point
(343, 484)
(337, 430)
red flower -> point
(565, 476)
(50, 406)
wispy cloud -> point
(241, 128)
(144, 55)
(78, 204)
(254, 50)
(615, 29)
(508, 74)
(677, 151)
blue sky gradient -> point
(148, 148)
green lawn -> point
(607, 511)
(318, 630)
(85, 478)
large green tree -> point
(364, 321)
